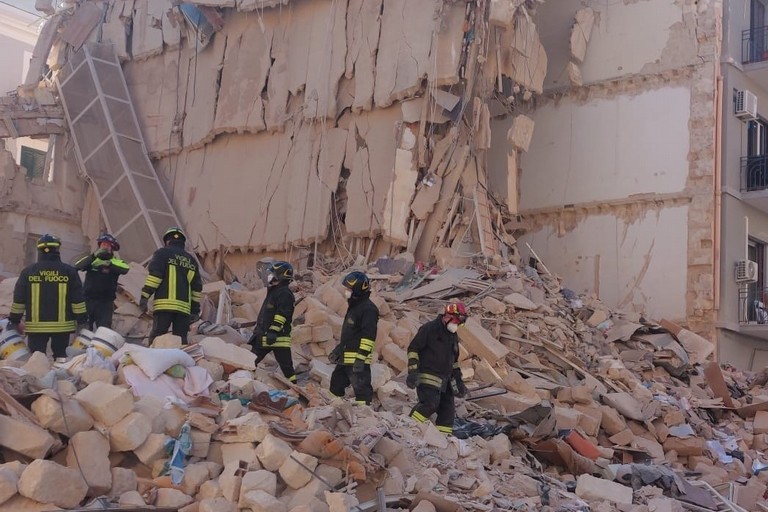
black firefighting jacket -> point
(358, 334)
(101, 276)
(275, 316)
(51, 294)
(174, 279)
(434, 354)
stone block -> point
(260, 480)
(500, 447)
(520, 301)
(106, 403)
(201, 443)
(194, 476)
(123, 480)
(215, 370)
(216, 349)
(339, 501)
(89, 452)
(25, 438)
(152, 449)
(216, 505)
(130, 432)
(47, 410)
(301, 334)
(479, 342)
(131, 499)
(230, 481)
(685, 447)
(297, 474)
(395, 356)
(239, 451)
(9, 485)
(760, 423)
(209, 490)
(260, 501)
(272, 452)
(172, 498)
(48, 482)
(321, 333)
(494, 306)
(316, 316)
(167, 340)
(37, 365)
(91, 375)
(591, 488)
(249, 428)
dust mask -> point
(347, 294)
(270, 278)
(452, 327)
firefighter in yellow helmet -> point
(174, 280)
(50, 294)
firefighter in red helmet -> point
(433, 367)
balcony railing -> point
(754, 45)
(753, 305)
(754, 173)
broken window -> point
(757, 298)
(33, 162)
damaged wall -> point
(630, 186)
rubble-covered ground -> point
(572, 407)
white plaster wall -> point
(627, 37)
(607, 149)
(626, 263)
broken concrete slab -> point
(48, 482)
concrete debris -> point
(568, 403)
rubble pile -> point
(572, 407)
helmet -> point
(174, 234)
(106, 237)
(282, 270)
(48, 243)
(455, 312)
(357, 282)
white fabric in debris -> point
(195, 383)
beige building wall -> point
(617, 186)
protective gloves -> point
(459, 389)
(412, 380)
(144, 304)
(271, 337)
(335, 356)
(359, 366)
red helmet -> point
(456, 312)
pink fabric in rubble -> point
(195, 383)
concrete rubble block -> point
(316, 315)
(123, 480)
(520, 135)
(662, 504)
(494, 306)
(687, 447)
(250, 428)
(590, 488)
(260, 480)
(613, 422)
(167, 340)
(15, 466)
(302, 334)
(760, 423)
(216, 349)
(524, 484)
(520, 301)
(339, 501)
(401, 336)
(479, 342)
(297, 474)
(380, 375)
(48, 411)
(500, 447)
(152, 408)
(272, 452)
(37, 365)
(395, 356)
(218, 504)
(106, 403)
(201, 443)
(48, 482)
(19, 503)
(152, 449)
(230, 481)
(502, 13)
(89, 452)
(209, 490)
(334, 300)
(230, 410)
(9, 485)
(581, 32)
(130, 432)
(321, 371)
(239, 451)
(131, 499)
(194, 476)
(425, 506)
(260, 501)
(172, 498)
(90, 375)
(25, 438)
(322, 333)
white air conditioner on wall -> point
(746, 271)
(746, 105)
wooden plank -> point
(716, 382)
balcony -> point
(753, 305)
(754, 54)
(754, 181)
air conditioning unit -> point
(746, 271)
(746, 105)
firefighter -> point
(354, 353)
(51, 295)
(433, 367)
(174, 280)
(273, 326)
(102, 271)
